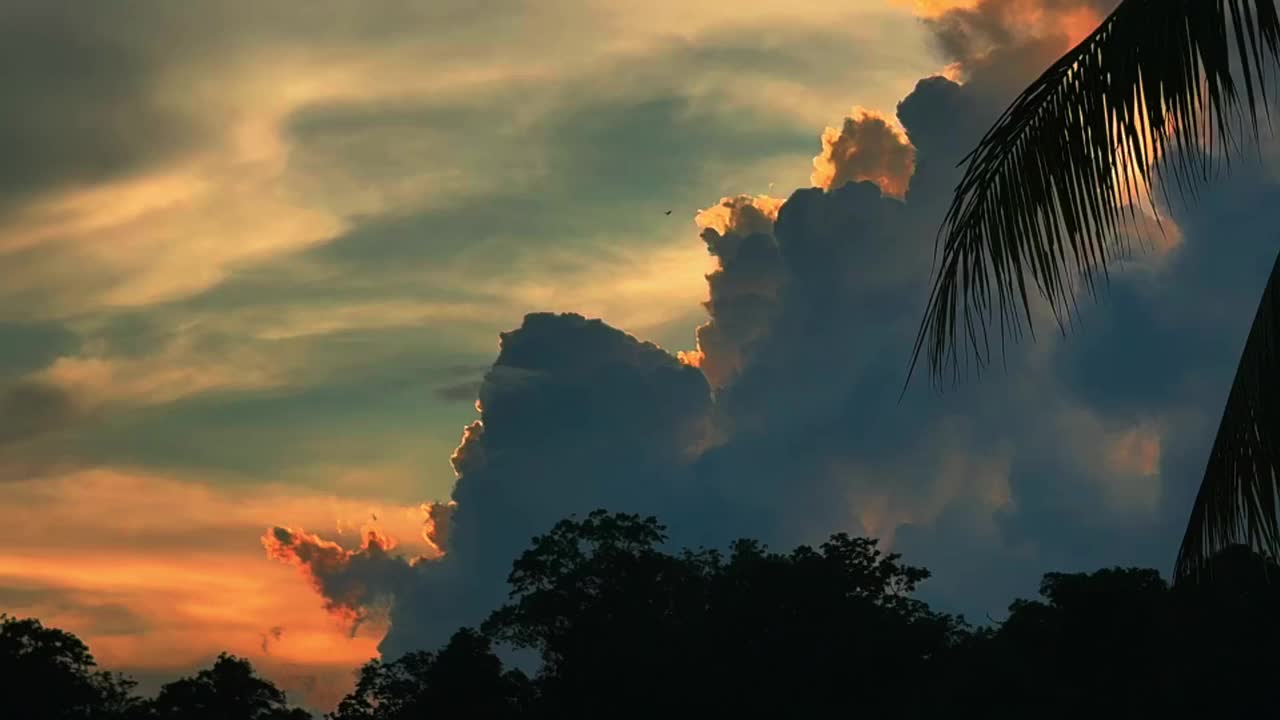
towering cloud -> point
(744, 288)
(574, 415)
(785, 422)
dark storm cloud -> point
(575, 415)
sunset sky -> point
(255, 258)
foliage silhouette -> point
(465, 679)
(626, 628)
(48, 673)
(1161, 94)
(229, 689)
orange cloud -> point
(973, 31)
(358, 584)
(327, 566)
(173, 574)
(935, 8)
(743, 215)
(868, 146)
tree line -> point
(623, 627)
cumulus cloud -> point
(867, 146)
(574, 415)
(785, 422)
(744, 287)
(977, 37)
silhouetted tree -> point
(48, 673)
(1120, 642)
(464, 680)
(624, 627)
(1097, 644)
(230, 690)
(1049, 194)
(1229, 631)
(627, 629)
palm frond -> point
(1237, 501)
(1144, 102)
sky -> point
(313, 314)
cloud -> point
(273, 633)
(150, 380)
(276, 227)
(100, 619)
(89, 112)
(30, 409)
(744, 287)
(868, 146)
(438, 523)
(785, 422)
(979, 36)
(229, 137)
(354, 583)
(174, 572)
(573, 415)
(285, 228)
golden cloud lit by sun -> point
(935, 8)
(867, 146)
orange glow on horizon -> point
(174, 574)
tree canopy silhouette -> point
(229, 689)
(624, 627)
(465, 679)
(49, 673)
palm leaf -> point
(1053, 186)
(1237, 501)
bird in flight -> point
(668, 212)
